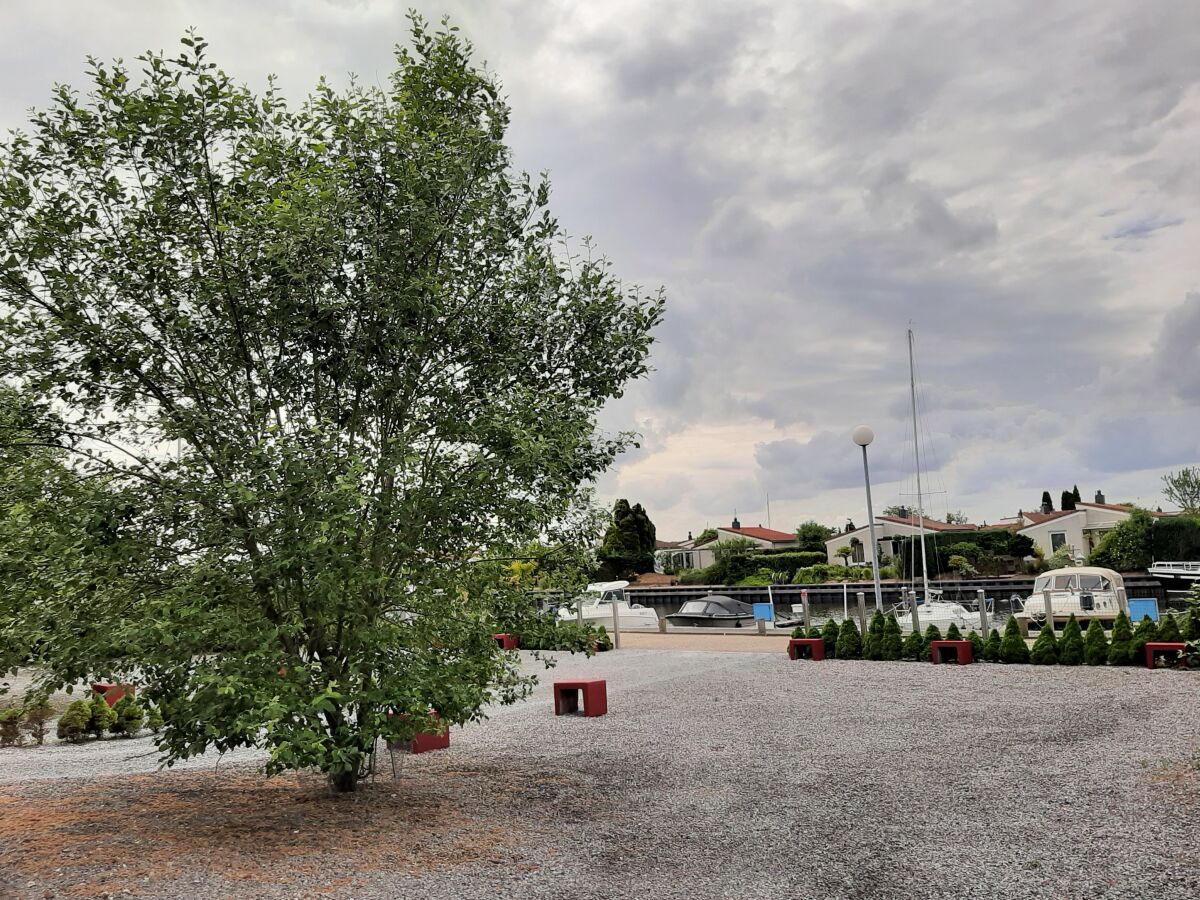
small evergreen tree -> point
(1095, 645)
(849, 642)
(10, 726)
(1067, 503)
(932, 633)
(799, 632)
(914, 646)
(813, 632)
(1045, 648)
(1013, 648)
(1168, 629)
(976, 645)
(1120, 650)
(1191, 625)
(991, 650)
(830, 635)
(128, 717)
(100, 715)
(1047, 503)
(73, 723)
(893, 642)
(1070, 645)
(1145, 631)
(873, 643)
(952, 633)
(154, 720)
(38, 714)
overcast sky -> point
(1019, 180)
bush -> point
(38, 714)
(914, 646)
(976, 645)
(991, 650)
(1168, 629)
(830, 635)
(873, 644)
(932, 633)
(1070, 645)
(1128, 546)
(1095, 645)
(849, 642)
(600, 641)
(154, 720)
(799, 632)
(1045, 648)
(129, 716)
(73, 723)
(1145, 631)
(1120, 650)
(1191, 625)
(10, 726)
(952, 633)
(1013, 648)
(826, 572)
(549, 632)
(692, 576)
(892, 644)
(100, 715)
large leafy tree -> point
(1183, 489)
(628, 546)
(811, 536)
(327, 356)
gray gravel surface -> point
(747, 775)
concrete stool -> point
(506, 641)
(595, 696)
(1161, 648)
(422, 741)
(951, 651)
(807, 648)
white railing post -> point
(983, 617)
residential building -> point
(1080, 528)
(691, 554)
(888, 529)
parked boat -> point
(597, 602)
(1089, 592)
(941, 613)
(714, 611)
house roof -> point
(930, 524)
(764, 534)
(667, 545)
(1040, 518)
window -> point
(694, 607)
(1057, 539)
(858, 555)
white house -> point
(887, 529)
(1080, 528)
(691, 554)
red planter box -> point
(595, 696)
(1158, 648)
(808, 648)
(113, 692)
(506, 641)
(424, 741)
(946, 651)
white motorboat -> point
(941, 613)
(596, 606)
(1089, 592)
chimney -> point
(689, 535)
(902, 512)
(736, 523)
(1099, 496)
(1046, 507)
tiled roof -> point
(763, 534)
(930, 524)
(1039, 518)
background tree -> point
(811, 536)
(1183, 489)
(326, 358)
(845, 552)
(1128, 545)
(708, 534)
(1075, 494)
(1068, 501)
(628, 546)
(1047, 503)
(956, 518)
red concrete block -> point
(943, 651)
(595, 696)
(808, 648)
(1158, 648)
(506, 641)
(113, 692)
(423, 741)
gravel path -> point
(747, 775)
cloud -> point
(1143, 227)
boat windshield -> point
(1056, 583)
(1094, 583)
(694, 607)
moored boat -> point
(596, 607)
(713, 611)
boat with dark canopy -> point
(713, 611)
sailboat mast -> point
(912, 386)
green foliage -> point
(1168, 630)
(1067, 503)
(892, 645)
(38, 714)
(977, 646)
(1045, 648)
(1191, 625)
(822, 574)
(811, 537)
(932, 633)
(1047, 503)
(1146, 631)
(872, 647)
(628, 546)
(788, 562)
(849, 642)
(1120, 650)
(1095, 645)
(101, 717)
(354, 326)
(1128, 546)
(1070, 645)
(1013, 648)
(1183, 489)
(991, 551)
(830, 634)
(962, 566)
(128, 717)
(915, 646)
(73, 723)
(952, 633)
(708, 534)
(154, 720)
(603, 642)
(1062, 558)
(1175, 537)
(992, 651)
(541, 631)
(10, 726)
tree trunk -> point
(344, 782)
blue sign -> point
(1143, 606)
(764, 612)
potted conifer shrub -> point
(849, 642)
(1095, 645)
(1168, 629)
(952, 633)
(991, 650)
(873, 644)
(976, 645)
(73, 723)
(914, 646)
(1120, 650)
(1070, 645)
(893, 642)
(1045, 649)
(829, 634)
(1145, 632)
(1013, 648)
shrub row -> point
(80, 720)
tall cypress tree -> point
(1067, 501)
(1075, 495)
(1047, 503)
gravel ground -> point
(747, 775)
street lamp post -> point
(863, 435)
